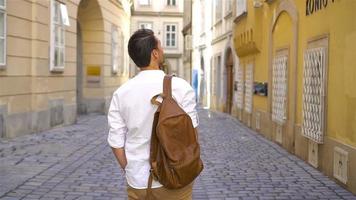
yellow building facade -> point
(303, 52)
(59, 58)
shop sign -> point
(313, 6)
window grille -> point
(279, 89)
(314, 77)
(249, 88)
(240, 87)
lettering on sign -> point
(313, 6)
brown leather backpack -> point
(175, 152)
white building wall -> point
(211, 39)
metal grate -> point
(313, 94)
(279, 89)
(249, 88)
(240, 87)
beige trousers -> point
(162, 193)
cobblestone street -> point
(75, 162)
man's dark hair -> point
(140, 46)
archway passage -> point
(90, 56)
(229, 81)
(283, 76)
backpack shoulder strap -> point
(167, 86)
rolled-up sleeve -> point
(117, 127)
(189, 105)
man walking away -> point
(131, 114)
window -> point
(114, 50)
(59, 18)
(241, 7)
(314, 89)
(171, 2)
(228, 6)
(218, 10)
(145, 25)
(2, 32)
(171, 35)
(144, 2)
(218, 75)
(117, 51)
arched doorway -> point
(90, 57)
(283, 73)
(229, 64)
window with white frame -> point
(2, 32)
(145, 25)
(241, 7)
(249, 88)
(218, 75)
(314, 87)
(122, 68)
(114, 50)
(170, 36)
(240, 87)
(228, 6)
(279, 89)
(59, 19)
(218, 10)
(171, 2)
(144, 2)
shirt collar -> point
(153, 71)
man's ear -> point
(155, 53)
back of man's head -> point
(140, 46)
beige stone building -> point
(213, 53)
(165, 18)
(59, 58)
(187, 35)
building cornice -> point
(240, 17)
(173, 55)
(221, 37)
(157, 14)
(202, 46)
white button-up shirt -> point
(130, 119)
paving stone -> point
(75, 162)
